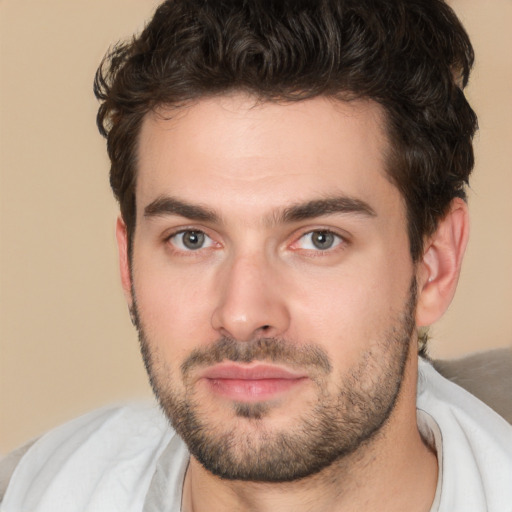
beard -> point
(335, 424)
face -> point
(271, 281)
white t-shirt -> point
(127, 459)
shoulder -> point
(476, 444)
(453, 406)
(112, 449)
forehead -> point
(232, 151)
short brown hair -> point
(413, 57)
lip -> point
(250, 383)
(253, 371)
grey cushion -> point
(487, 375)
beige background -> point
(66, 343)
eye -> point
(190, 240)
(320, 240)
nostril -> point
(265, 327)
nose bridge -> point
(250, 304)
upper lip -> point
(249, 372)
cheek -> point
(346, 311)
(174, 309)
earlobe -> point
(439, 270)
(124, 260)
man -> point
(291, 182)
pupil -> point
(193, 239)
(323, 240)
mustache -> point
(262, 349)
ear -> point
(124, 260)
(438, 271)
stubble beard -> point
(335, 426)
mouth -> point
(251, 383)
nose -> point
(251, 301)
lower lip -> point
(252, 390)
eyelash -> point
(340, 242)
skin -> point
(258, 275)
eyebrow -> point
(163, 206)
(166, 205)
(327, 206)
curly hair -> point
(413, 57)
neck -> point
(394, 471)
